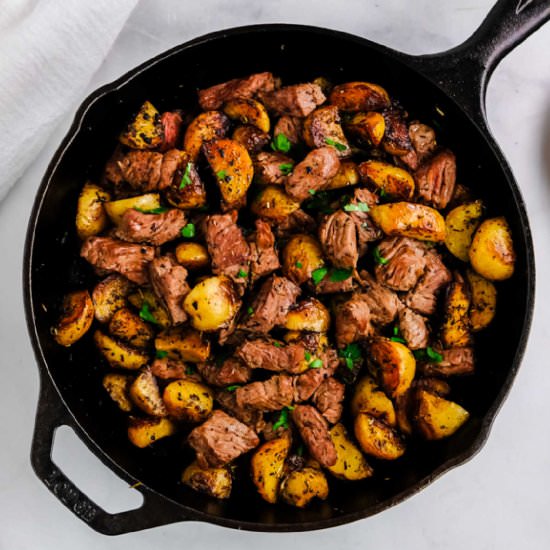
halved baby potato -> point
(267, 467)
(377, 439)
(369, 398)
(130, 328)
(347, 175)
(272, 203)
(109, 296)
(484, 300)
(300, 487)
(116, 209)
(248, 111)
(387, 178)
(205, 127)
(461, 223)
(302, 255)
(142, 432)
(119, 355)
(216, 482)
(368, 127)
(118, 387)
(455, 329)
(310, 315)
(91, 217)
(188, 400)
(145, 131)
(350, 462)
(144, 393)
(192, 255)
(359, 96)
(76, 318)
(145, 296)
(183, 344)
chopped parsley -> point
(250, 310)
(300, 450)
(298, 265)
(161, 354)
(319, 201)
(233, 387)
(186, 179)
(428, 354)
(398, 339)
(282, 421)
(221, 175)
(336, 144)
(316, 364)
(395, 330)
(188, 231)
(378, 258)
(278, 344)
(340, 274)
(307, 355)
(382, 192)
(359, 207)
(145, 313)
(319, 274)
(281, 143)
(286, 168)
(242, 273)
(312, 192)
(190, 370)
(351, 354)
(159, 210)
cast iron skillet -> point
(446, 90)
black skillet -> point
(446, 90)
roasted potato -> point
(192, 256)
(215, 482)
(300, 487)
(232, 166)
(437, 417)
(145, 131)
(118, 354)
(359, 96)
(91, 217)
(118, 387)
(156, 308)
(129, 327)
(212, 303)
(394, 364)
(207, 126)
(248, 111)
(145, 394)
(76, 318)
(310, 315)
(116, 209)
(387, 178)
(109, 296)
(404, 413)
(322, 127)
(455, 329)
(367, 127)
(267, 467)
(347, 175)
(272, 203)
(183, 344)
(461, 222)
(350, 462)
(142, 432)
(407, 219)
(302, 255)
(492, 251)
(188, 400)
(377, 439)
(187, 190)
(483, 300)
(369, 398)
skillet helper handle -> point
(51, 414)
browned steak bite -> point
(221, 439)
(263, 256)
(328, 286)
(423, 142)
(251, 138)
(231, 371)
(171, 163)
(297, 222)
(456, 361)
(171, 124)
(404, 263)
(413, 328)
(322, 127)
(436, 179)
(338, 237)
(169, 281)
(314, 431)
(367, 231)
(227, 246)
(328, 399)
(312, 173)
(305, 384)
(383, 303)
(396, 137)
(423, 298)
(270, 395)
(140, 169)
(155, 229)
(271, 304)
(167, 369)
(290, 127)
(272, 168)
(111, 255)
(296, 100)
(214, 97)
(251, 417)
(352, 320)
(272, 355)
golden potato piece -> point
(109, 296)
(377, 439)
(300, 487)
(347, 175)
(484, 300)
(407, 219)
(76, 318)
(310, 315)
(350, 462)
(359, 96)
(272, 203)
(369, 398)
(395, 365)
(492, 251)
(403, 413)
(367, 127)
(436, 417)
(142, 432)
(188, 400)
(302, 255)
(248, 111)
(145, 297)
(116, 209)
(212, 303)
(216, 482)
(183, 344)
(461, 222)
(192, 256)
(91, 217)
(232, 166)
(118, 387)
(130, 328)
(188, 191)
(207, 126)
(119, 355)
(455, 329)
(267, 467)
(145, 131)
(389, 179)
(145, 394)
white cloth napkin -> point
(49, 51)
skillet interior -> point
(296, 54)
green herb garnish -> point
(378, 258)
(250, 310)
(312, 192)
(428, 353)
(233, 387)
(281, 143)
(398, 339)
(188, 231)
(145, 313)
(395, 330)
(186, 179)
(221, 175)
(340, 274)
(319, 274)
(351, 354)
(339, 146)
(300, 450)
(359, 207)
(382, 192)
(278, 344)
(282, 421)
(286, 168)
(161, 354)
(316, 364)
(298, 265)
(159, 210)
(242, 273)
(190, 370)
(321, 202)
(307, 355)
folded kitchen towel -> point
(49, 51)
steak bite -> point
(352, 320)
(214, 97)
(272, 355)
(367, 230)
(413, 328)
(254, 418)
(231, 371)
(423, 142)
(307, 383)
(251, 138)
(383, 303)
(396, 137)
(297, 222)
(436, 179)
(221, 439)
(290, 127)
(456, 361)
(155, 229)
(313, 429)
(272, 394)
(328, 399)
(167, 369)
(263, 256)
(322, 127)
(297, 100)
(111, 255)
(171, 124)
(338, 236)
(270, 168)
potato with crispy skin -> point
(183, 344)
(389, 179)
(145, 131)
(267, 467)
(110, 295)
(461, 223)
(359, 96)
(377, 439)
(188, 400)
(300, 487)
(215, 482)
(272, 203)
(207, 126)
(483, 300)
(350, 462)
(142, 432)
(347, 175)
(187, 190)
(248, 111)
(76, 318)
(369, 398)
(302, 255)
(144, 393)
(308, 315)
(91, 217)
(192, 256)
(455, 330)
(146, 298)
(118, 387)
(116, 209)
(118, 354)
(130, 328)
(368, 127)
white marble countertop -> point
(499, 499)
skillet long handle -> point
(50, 415)
(464, 71)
